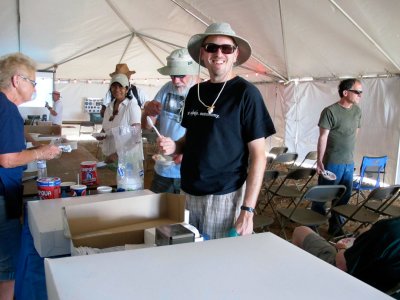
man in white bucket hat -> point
(167, 108)
(226, 125)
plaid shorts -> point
(215, 215)
(319, 247)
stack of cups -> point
(78, 190)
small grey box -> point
(173, 234)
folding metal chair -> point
(360, 213)
(370, 175)
(274, 152)
(261, 221)
(283, 162)
(300, 212)
(386, 208)
(292, 186)
(310, 157)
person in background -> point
(123, 110)
(223, 148)
(135, 93)
(373, 258)
(167, 108)
(17, 85)
(56, 111)
(338, 127)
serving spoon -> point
(150, 122)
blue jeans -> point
(162, 184)
(344, 176)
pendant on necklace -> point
(210, 109)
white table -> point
(261, 266)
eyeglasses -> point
(34, 83)
(177, 76)
(356, 92)
(225, 48)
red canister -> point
(89, 173)
(49, 188)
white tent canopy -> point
(292, 40)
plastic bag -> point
(128, 143)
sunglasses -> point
(177, 76)
(356, 92)
(225, 48)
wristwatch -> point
(247, 208)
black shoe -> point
(336, 232)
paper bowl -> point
(328, 175)
(164, 160)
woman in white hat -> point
(120, 112)
(226, 125)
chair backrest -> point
(383, 193)
(324, 193)
(312, 155)
(275, 151)
(370, 172)
(303, 175)
(286, 159)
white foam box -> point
(122, 221)
(45, 219)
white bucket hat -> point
(179, 62)
(196, 42)
(121, 79)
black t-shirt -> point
(216, 155)
(375, 256)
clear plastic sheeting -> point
(128, 143)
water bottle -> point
(42, 168)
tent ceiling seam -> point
(87, 52)
(365, 34)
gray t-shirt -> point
(342, 124)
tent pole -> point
(365, 34)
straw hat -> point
(122, 69)
(121, 79)
(179, 62)
(196, 42)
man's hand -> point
(166, 145)
(244, 223)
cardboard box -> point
(45, 218)
(43, 129)
(123, 221)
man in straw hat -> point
(226, 125)
(134, 92)
(167, 108)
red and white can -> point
(89, 173)
(49, 188)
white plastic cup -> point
(78, 190)
(104, 189)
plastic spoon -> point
(150, 122)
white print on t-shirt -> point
(195, 113)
